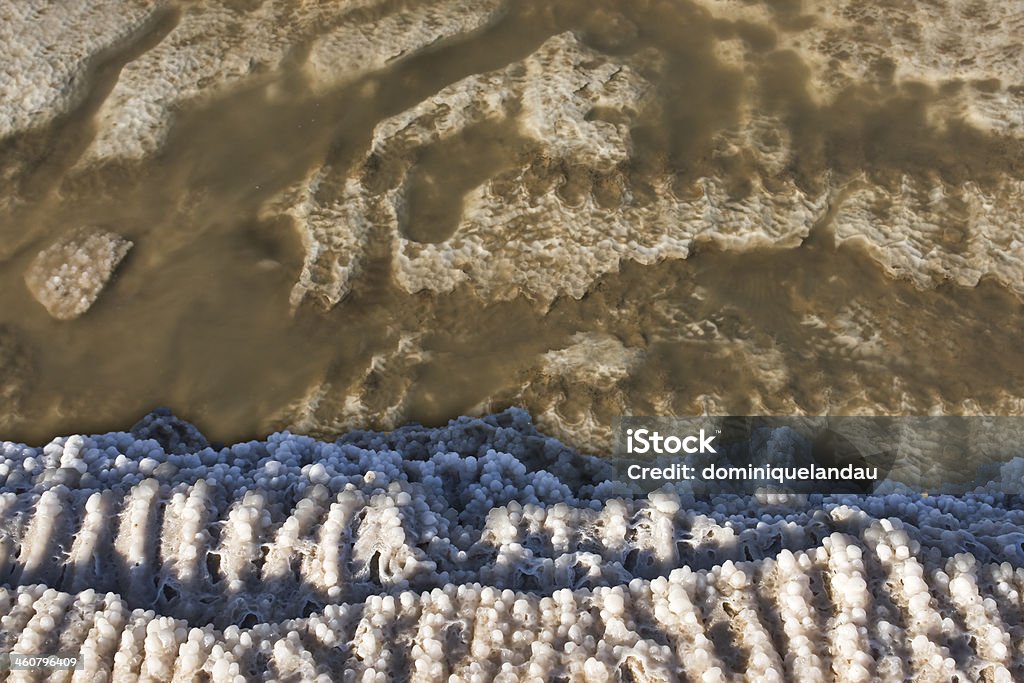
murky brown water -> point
(198, 317)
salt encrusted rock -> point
(458, 554)
(68, 276)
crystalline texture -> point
(68, 276)
(484, 550)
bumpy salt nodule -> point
(68, 276)
(483, 550)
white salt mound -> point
(68, 276)
(483, 551)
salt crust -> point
(538, 242)
(533, 241)
(217, 45)
(483, 551)
(930, 234)
(959, 232)
(49, 48)
(847, 42)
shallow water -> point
(198, 316)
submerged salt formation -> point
(574, 196)
(603, 207)
(68, 276)
(214, 46)
(51, 48)
(16, 370)
(484, 551)
(563, 208)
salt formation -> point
(357, 47)
(15, 371)
(577, 390)
(574, 108)
(849, 43)
(68, 276)
(484, 550)
(929, 234)
(438, 150)
(50, 50)
(516, 222)
(928, 230)
(217, 45)
(382, 389)
(571, 205)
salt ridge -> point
(484, 550)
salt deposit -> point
(68, 276)
(50, 51)
(571, 203)
(16, 369)
(484, 550)
(215, 46)
(546, 106)
(735, 206)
